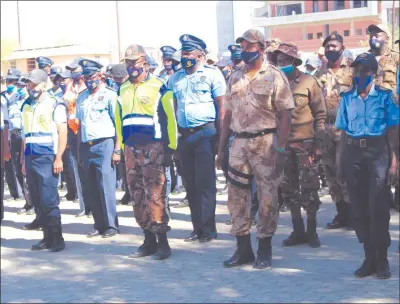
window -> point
(12, 64)
(310, 36)
(319, 35)
(288, 9)
(31, 64)
(338, 4)
(359, 3)
(315, 6)
(346, 33)
(358, 32)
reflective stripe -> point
(142, 121)
(39, 139)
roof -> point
(60, 50)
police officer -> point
(45, 64)
(95, 111)
(167, 52)
(369, 114)
(312, 65)
(153, 65)
(301, 184)
(109, 79)
(336, 77)
(199, 92)
(45, 138)
(176, 61)
(258, 110)
(55, 90)
(225, 66)
(5, 148)
(149, 133)
(236, 57)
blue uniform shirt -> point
(195, 95)
(398, 81)
(58, 94)
(96, 113)
(369, 117)
(4, 112)
(14, 109)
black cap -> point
(333, 37)
(366, 59)
(13, 74)
(90, 66)
(36, 76)
(191, 43)
(65, 74)
(55, 70)
(119, 70)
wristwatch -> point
(117, 152)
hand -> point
(392, 175)
(176, 156)
(220, 160)
(167, 161)
(57, 166)
(116, 158)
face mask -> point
(21, 93)
(10, 88)
(249, 57)
(76, 75)
(176, 67)
(34, 94)
(188, 63)
(91, 85)
(287, 69)
(225, 73)
(168, 66)
(117, 84)
(109, 82)
(333, 55)
(135, 72)
(376, 44)
(62, 87)
(363, 81)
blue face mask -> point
(287, 69)
(249, 57)
(188, 63)
(168, 67)
(376, 44)
(62, 87)
(363, 81)
(91, 85)
(109, 82)
(135, 72)
(176, 67)
(10, 88)
(21, 93)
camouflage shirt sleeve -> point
(318, 108)
(283, 99)
(228, 99)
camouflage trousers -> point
(337, 188)
(147, 185)
(254, 157)
(300, 184)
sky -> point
(149, 23)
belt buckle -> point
(191, 130)
(363, 143)
(90, 143)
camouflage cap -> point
(377, 28)
(134, 52)
(272, 44)
(252, 36)
(289, 49)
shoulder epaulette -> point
(382, 89)
(347, 92)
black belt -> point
(96, 141)
(253, 135)
(185, 131)
(16, 132)
(366, 142)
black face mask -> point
(333, 55)
(376, 44)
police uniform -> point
(3, 127)
(149, 133)
(44, 62)
(176, 61)
(58, 93)
(167, 52)
(335, 82)
(254, 104)
(195, 96)
(97, 128)
(236, 56)
(300, 184)
(365, 164)
(41, 119)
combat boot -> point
(58, 243)
(148, 247)
(312, 235)
(368, 266)
(244, 253)
(340, 220)
(382, 264)
(264, 254)
(298, 235)
(163, 249)
(45, 243)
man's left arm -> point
(218, 91)
(392, 121)
(60, 118)
(318, 110)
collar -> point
(372, 91)
(343, 63)
(200, 69)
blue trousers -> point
(198, 170)
(99, 184)
(42, 183)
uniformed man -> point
(312, 65)
(336, 77)
(236, 57)
(301, 184)
(167, 52)
(5, 148)
(153, 65)
(176, 61)
(225, 66)
(369, 114)
(45, 64)
(149, 133)
(55, 90)
(45, 139)
(199, 92)
(109, 79)
(95, 111)
(271, 46)
(258, 111)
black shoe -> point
(368, 266)
(298, 236)
(45, 243)
(124, 200)
(336, 223)
(110, 232)
(163, 249)
(228, 222)
(382, 264)
(244, 253)
(264, 254)
(58, 243)
(193, 237)
(148, 247)
(93, 233)
(32, 226)
(30, 211)
(208, 237)
(312, 235)
(283, 208)
(182, 204)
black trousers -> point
(365, 171)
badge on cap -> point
(84, 62)
(135, 73)
(185, 38)
(233, 47)
(333, 36)
(164, 48)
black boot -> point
(312, 235)
(58, 240)
(298, 235)
(32, 226)
(368, 266)
(163, 249)
(382, 264)
(45, 243)
(340, 220)
(264, 254)
(244, 253)
(350, 225)
(148, 247)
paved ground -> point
(97, 270)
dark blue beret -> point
(190, 43)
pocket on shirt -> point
(203, 92)
(389, 75)
(262, 97)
